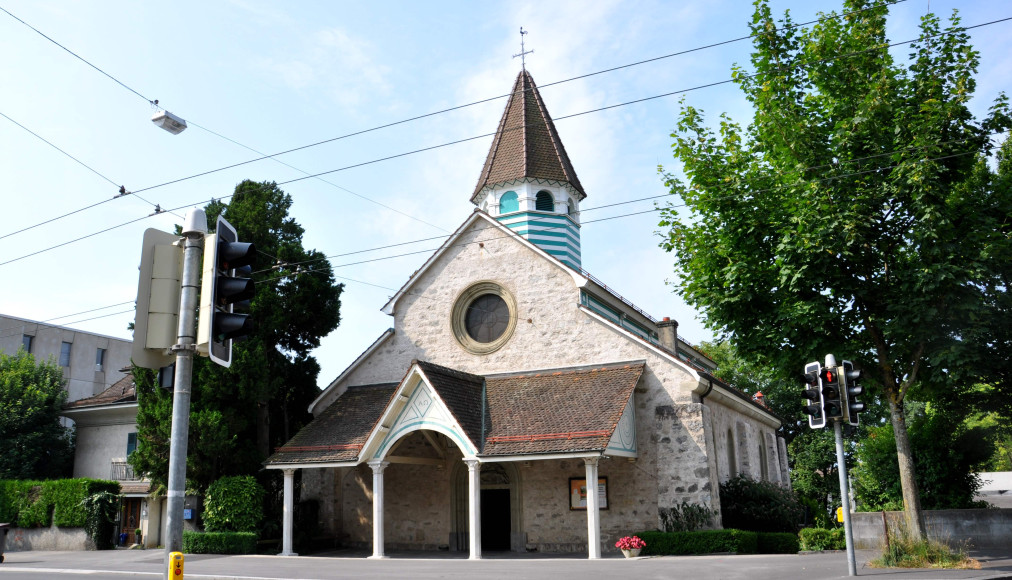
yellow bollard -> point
(176, 566)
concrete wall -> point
(979, 528)
(52, 538)
(83, 380)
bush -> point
(701, 542)
(685, 517)
(777, 543)
(234, 504)
(219, 542)
(759, 506)
(905, 552)
(823, 539)
(34, 504)
(101, 509)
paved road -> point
(147, 565)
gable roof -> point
(559, 411)
(526, 143)
(555, 411)
(338, 433)
(122, 391)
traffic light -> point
(813, 392)
(851, 390)
(831, 392)
(158, 289)
(224, 287)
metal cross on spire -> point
(523, 63)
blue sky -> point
(272, 76)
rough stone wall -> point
(551, 331)
(748, 435)
(679, 436)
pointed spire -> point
(526, 144)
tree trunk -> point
(911, 495)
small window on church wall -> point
(509, 202)
(763, 467)
(570, 208)
(544, 202)
(732, 463)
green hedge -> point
(778, 543)
(712, 541)
(701, 542)
(822, 539)
(35, 504)
(219, 542)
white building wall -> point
(83, 378)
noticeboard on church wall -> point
(578, 493)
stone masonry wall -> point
(551, 331)
(747, 434)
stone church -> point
(518, 403)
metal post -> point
(845, 497)
(184, 348)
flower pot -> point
(631, 553)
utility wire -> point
(599, 109)
(155, 102)
(403, 121)
(482, 241)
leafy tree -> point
(34, 444)
(856, 214)
(239, 414)
(948, 454)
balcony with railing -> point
(122, 471)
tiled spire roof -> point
(526, 143)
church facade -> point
(518, 403)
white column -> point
(593, 510)
(377, 507)
(288, 514)
(474, 507)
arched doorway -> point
(501, 508)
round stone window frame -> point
(459, 314)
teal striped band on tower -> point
(556, 234)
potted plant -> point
(630, 546)
(137, 536)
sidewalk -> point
(147, 564)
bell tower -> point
(528, 182)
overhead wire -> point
(505, 236)
(403, 121)
(682, 91)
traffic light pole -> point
(185, 348)
(841, 461)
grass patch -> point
(905, 552)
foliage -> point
(233, 504)
(32, 504)
(685, 517)
(906, 552)
(823, 539)
(101, 509)
(240, 414)
(219, 542)
(814, 473)
(699, 542)
(856, 214)
(758, 506)
(947, 452)
(34, 444)
(777, 543)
